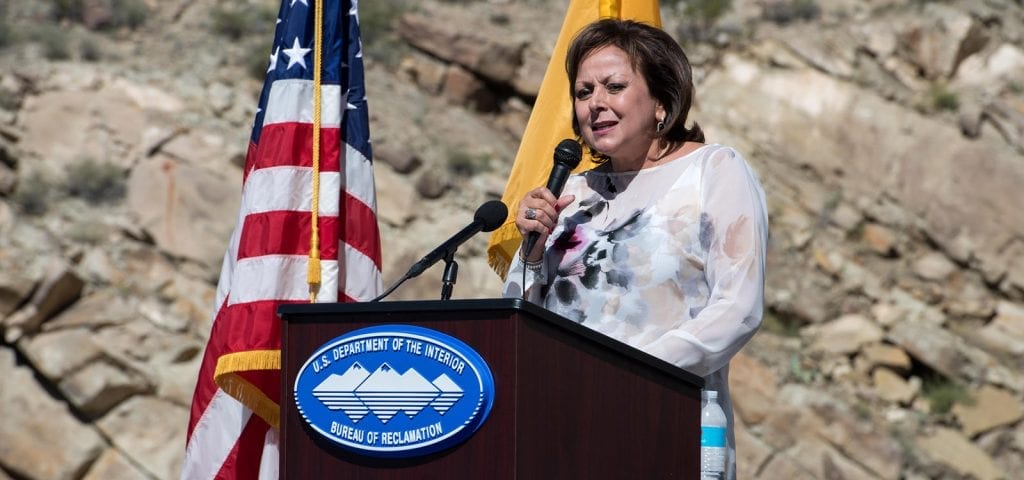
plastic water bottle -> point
(712, 439)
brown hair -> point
(655, 55)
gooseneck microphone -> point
(567, 156)
(488, 217)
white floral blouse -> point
(669, 259)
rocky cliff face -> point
(889, 137)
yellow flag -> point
(551, 118)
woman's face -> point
(616, 113)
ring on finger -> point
(531, 214)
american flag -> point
(232, 430)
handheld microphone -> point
(567, 156)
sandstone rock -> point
(846, 217)
(1007, 115)
(58, 353)
(825, 461)
(753, 389)
(844, 335)
(220, 97)
(191, 302)
(531, 73)
(751, 452)
(99, 386)
(883, 355)
(1005, 333)
(96, 13)
(879, 239)
(100, 124)
(160, 316)
(100, 309)
(940, 39)
(496, 61)
(8, 179)
(809, 414)
(147, 97)
(952, 449)
(830, 49)
(176, 380)
(431, 184)
(920, 180)
(784, 466)
(112, 465)
(60, 287)
(989, 71)
(14, 288)
(461, 87)
(43, 439)
(893, 388)
(913, 309)
(206, 152)
(424, 70)
(939, 349)
(189, 211)
(991, 408)
(933, 266)
(97, 266)
(398, 206)
(159, 445)
(829, 262)
(400, 159)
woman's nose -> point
(598, 100)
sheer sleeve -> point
(534, 284)
(733, 238)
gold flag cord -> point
(313, 272)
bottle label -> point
(712, 436)
(712, 462)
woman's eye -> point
(582, 93)
(615, 87)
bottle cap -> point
(711, 394)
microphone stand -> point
(451, 270)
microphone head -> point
(491, 214)
(568, 153)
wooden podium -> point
(568, 402)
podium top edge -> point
(296, 312)
(300, 309)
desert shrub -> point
(944, 99)
(236, 22)
(376, 19)
(6, 36)
(96, 182)
(89, 50)
(32, 194)
(128, 13)
(53, 40)
(699, 19)
(942, 393)
(707, 11)
(123, 13)
(465, 164)
(787, 11)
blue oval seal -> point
(395, 391)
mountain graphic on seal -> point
(385, 392)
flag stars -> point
(296, 54)
(273, 60)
